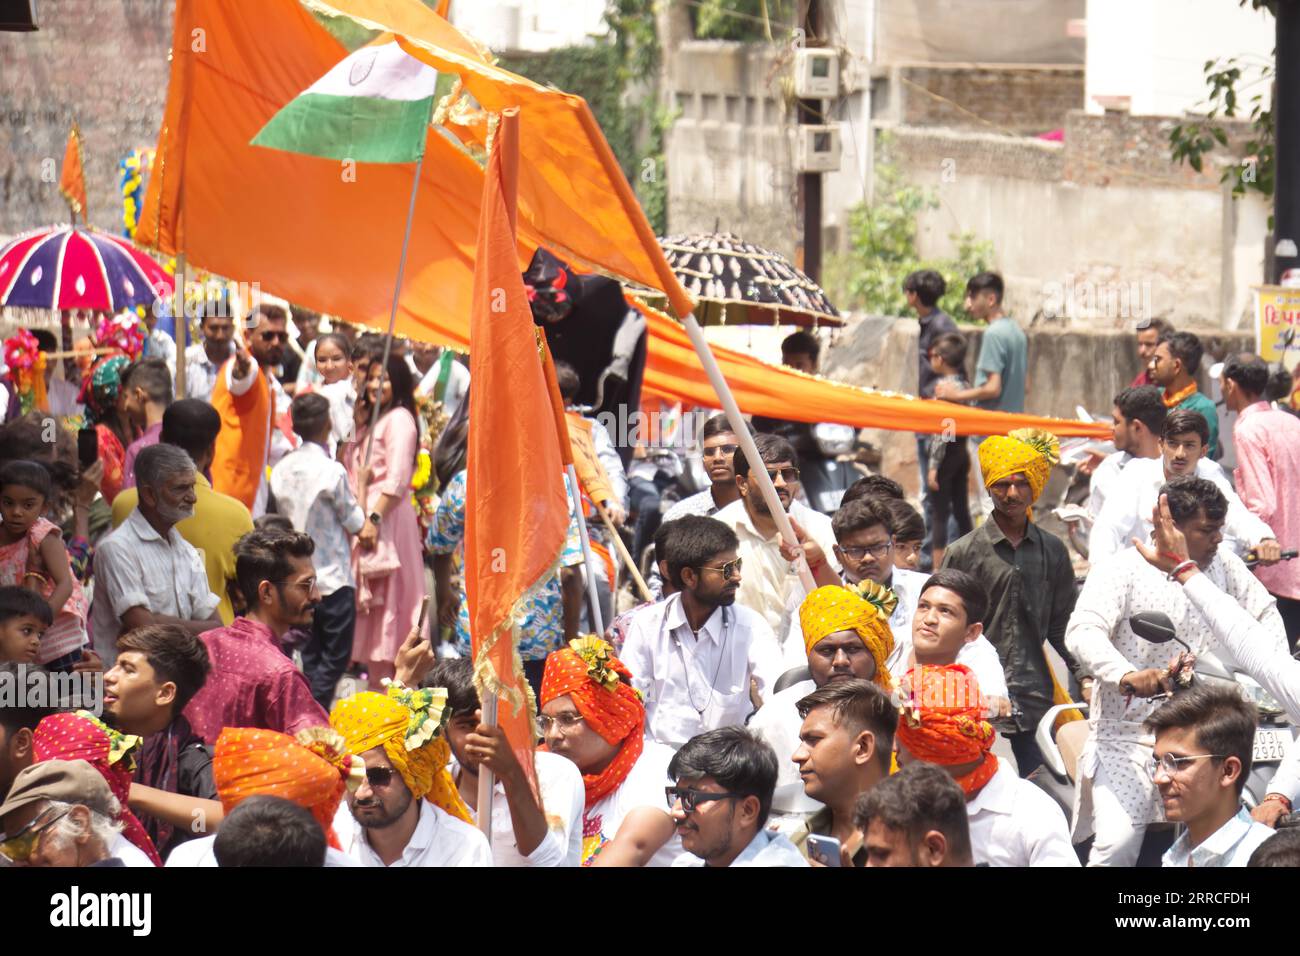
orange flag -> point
(517, 513)
(72, 179)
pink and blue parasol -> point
(66, 267)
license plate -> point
(1270, 745)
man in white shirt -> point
(1115, 797)
(1126, 515)
(847, 638)
(695, 655)
(145, 572)
(1139, 414)
(447, 381)
(865, 550)
(723, 781)
(312, 490)
(524, 833)
(1012, 821)
(203, 360)
(1203, 742)
(387, 820)
(771, 578)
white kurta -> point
(1100, 636)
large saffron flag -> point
(72, 178)
(517, 511)
(372, 107)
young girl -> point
(334, 365)
(32, 555)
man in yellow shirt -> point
(219, 520)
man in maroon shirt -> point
(252, 682)
(1148, 337)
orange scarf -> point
(1180, 396)
(588, 672)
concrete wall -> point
(1066, 368)
(530, 25)
(100, 62)
(1025, 100)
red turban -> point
(942, 722)
(588, 671)
(82, 736)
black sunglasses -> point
(693, 798)
(379, 776)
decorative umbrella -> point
(66, 267)
(738, 283)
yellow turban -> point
(408, 724)
(832, 608)
(1027, 451)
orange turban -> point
(942, 721)
(312, 770)
(833, 608)
(408, 724)
(588, 671)
(1027, 451)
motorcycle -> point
(1061, 749)
(829, 473)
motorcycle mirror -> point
(1155, 626)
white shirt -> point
(1013, 823)
(1134, 495)
(200, 372)
(700, 503)
(693, 684)
(312, 490)
(1103, 477)
(559, 783)
(199, 852)
(63, 398)
(439, 840)
(1230, 845)
(643, 786)
(778, 723)
(342, 396)
(767, 579)
(457, 385)
(768, 848)
(135, 567)
(128, 852)
(1100, 637)
(163, 346)
(280, 444)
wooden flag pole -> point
(746, 441)
(624, 553)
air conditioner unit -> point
(817, 149)
(816, 73)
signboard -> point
(1277, 325)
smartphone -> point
(424, 611)
(824, 849)
(87, 447)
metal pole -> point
(752, 457)
(588, 556)
(810, 184)
(180, 329)
(1286, 184)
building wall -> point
(1024, 100)
(102, 64)
(1154, 52)
(530, 25)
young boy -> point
(948, 472)
(24, 616)
(311, 489)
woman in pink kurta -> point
(388, 560)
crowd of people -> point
(246, 567)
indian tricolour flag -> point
(373, 107)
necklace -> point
(681, 652)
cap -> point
(67, 781)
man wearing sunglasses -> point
(59, 813)
(695, 655)
(250, 399)
(770, 578)
(252, 682)
(722, 793)
(1204, 740)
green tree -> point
(882, 248)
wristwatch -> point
(376, 518)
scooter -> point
(1061, 749)
(829, 473)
